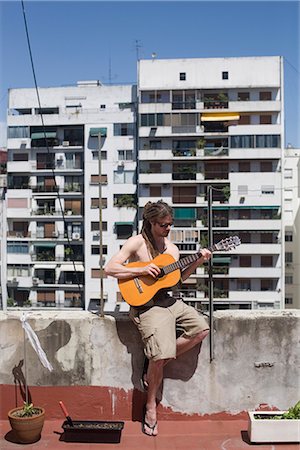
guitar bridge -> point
(138, 285)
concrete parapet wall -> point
(256, 360)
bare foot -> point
(150, 423)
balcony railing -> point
(183, 176)
(215, 104)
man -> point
(157, 320)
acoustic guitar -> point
(138, 291)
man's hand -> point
(206, 255)
(151, 270)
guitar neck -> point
(185, 262)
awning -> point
(45, 244)
(184, 213)
(94, 132)
(70, 268)
(219, 117)
(221, 260)
(45, 266)
(48, 134)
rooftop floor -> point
(173, 435)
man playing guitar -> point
(157, 319)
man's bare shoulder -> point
(135, 242)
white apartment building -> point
(218, 122)
(55, 178)
(292, 227)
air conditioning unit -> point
(76, 236)
(54, 233)
(66, 143)
(35, 280)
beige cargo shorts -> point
(157, 326)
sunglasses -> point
(165, 225)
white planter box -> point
(272, 430)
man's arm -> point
(115, 267)
(206, 255)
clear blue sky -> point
(75, 40)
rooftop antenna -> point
(138, 46)
(153, 56)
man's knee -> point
(202, 335)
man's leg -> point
(154, 379)
(184, 344)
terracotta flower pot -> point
(27, 429)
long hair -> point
(152, 212)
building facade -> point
(71, 159)
(189, 126)
(218, 122)
(292, 227)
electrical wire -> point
(48, 149)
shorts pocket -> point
(151, 345)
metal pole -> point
(100, 228)
(210, 275)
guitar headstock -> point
(228, 244)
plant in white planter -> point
(275, 426)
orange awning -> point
(219, 117)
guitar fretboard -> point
(185, 262)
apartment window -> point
(95, 250)
(243, 96)
(148, 97)
(268, 141)
(288, 300)
(96, 178)
(244, 166)
(15, 247)
(95, 226)
(289, 279)
(153, 120)
(123, 230)
(182, 76)
(155, 191)
(155, 145)
(18, 132)
(267, 190)
(18, 271)
(242, 141)
(155, 167)
(288, 257)
(266, 261)
(95, 203)
(288, 236)
(124, 177)
(125, 155)
(20, 157)
(244, 214)
(245, 260)
(245, 119)
(225, 75)
(124, 129)
(243, 284)
(74, 206)
(288, 173)
(265, 119)
(95, 155)
(266, 166)
(265, 95)
(266, 238)
(266, 285)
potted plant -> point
(275, 426)
(27, 423)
